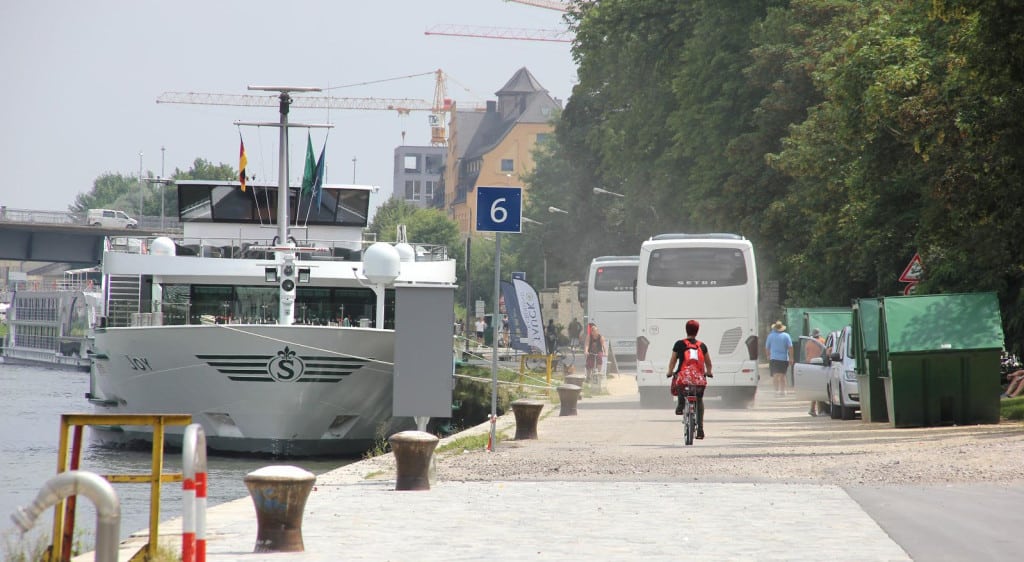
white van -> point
(109, 218)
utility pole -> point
(140, 186)
(353, 169)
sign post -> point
(912, 274)
(498, 209)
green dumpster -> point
(941, 353)
(873, 407)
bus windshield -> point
(615, 278)
(696, 267)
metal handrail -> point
(92, 486)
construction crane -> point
(552, 35)
(548, 4)
(439, 108)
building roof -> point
(521, 100)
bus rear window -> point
(696, 267)
(615, 278)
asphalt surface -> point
(488, 506)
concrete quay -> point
(510, 504)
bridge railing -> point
(29, 216)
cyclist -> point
(693, 368)
(594, 349)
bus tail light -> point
(752, 347)
(641, 347)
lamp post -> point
(140, 186)
(544, 252)
(162, 182)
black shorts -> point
(778, 367)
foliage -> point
(1012, 408)
(116, 191)
(840, 136)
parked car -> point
(109, 218)
(830, 376)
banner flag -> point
(516, 326)
(307, 174)
(318, 178)
(242, 161)
(529, 311)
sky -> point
(80, 82)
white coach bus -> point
(610, 303)
(710, 278)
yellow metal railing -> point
(548, 359)
(64, 512)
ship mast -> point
(285, 249)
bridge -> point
(60, 236)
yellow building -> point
(495, 147)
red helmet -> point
(691, 327)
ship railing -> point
(310, 249)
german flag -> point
(242, 162)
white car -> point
(843, 392)
(829, 376)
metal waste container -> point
(941, 353)
(873, 407)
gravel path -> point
(775, 441)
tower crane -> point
(438, 109)
(547, 4)
(552, 35)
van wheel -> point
(96, 224)
(131, 227)
(846, 412)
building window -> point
(543, 138)
(507, 165)
(433, 164)
(416, 190)
(428, 194)
(412, 163)
(408, 190)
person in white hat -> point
(779, 347)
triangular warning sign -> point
(914, 270)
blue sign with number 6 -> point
(499, 209)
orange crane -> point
(490, 32)
(439, 108)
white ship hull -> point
(263, 389)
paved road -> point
(513, 505)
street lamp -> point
(140, 186)
(544, 253)
(528, 220)
(600, 191)
(557, 210)
(162, 182)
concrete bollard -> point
(568, 394)
(279, 493)
(576, 380)
(527, 413)
(413, 453)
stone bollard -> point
(413, 452)
(568, 394)
(279, 494)
(527, 413)
(576, 380)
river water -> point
(34, 399)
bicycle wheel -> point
(690, 421)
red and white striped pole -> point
(193, 518)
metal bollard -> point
(279, 493)
(527, 413)
(576, 380)
(413, 452)
(568, 394)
